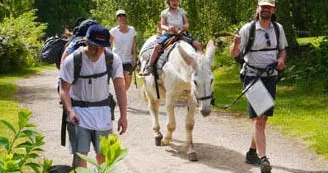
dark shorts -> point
(127, 67)
(270, 84)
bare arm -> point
(122, 103)
(281, 59)
(234, 49)
(164, 25)
(66, 99)
(185, 26)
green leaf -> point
(34, 166)
(33, 155)
(4, 142)
(83, 170)
(23, 117)
(28, 133)
(24, 144)
(10, 126)
(86, 158)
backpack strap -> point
(250, 42)
(109, 58)
(277, 31)
(251, 38)
(77, 60)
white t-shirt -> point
(174, 19)
(261, 59)
(94, 118)
(123, 43)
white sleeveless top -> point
(123, 43)
(174, 19)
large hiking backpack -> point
(77, 60)
(251, 38)
(79, 33)
(53, 49)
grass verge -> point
(9, 107)
(300, 112)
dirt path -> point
(221, 141)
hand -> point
(280, 64)
(172, 28)
(236, 39)
(122, 125)
(72, 118)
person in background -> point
(264, 51)
(123, 38)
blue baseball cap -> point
(98, 35)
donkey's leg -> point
(170, 103)
(190, 122)
(153, 108)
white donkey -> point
(186, 74)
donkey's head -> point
(202, 77)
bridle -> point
(206, 98)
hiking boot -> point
(148, 69)
(252, 157)
(265, 165)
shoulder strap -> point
(277, 31)
(109, 58)
(251, 37)
(77, 60)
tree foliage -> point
(61, 13)
(20, 41)
(14, 7)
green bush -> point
(20, 41)
(21, 152)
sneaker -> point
(265, 165)
(252, 158)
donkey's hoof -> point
(192, 157)
(158, 140)
(166, 142)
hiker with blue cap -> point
(85, 93)
(261, 45)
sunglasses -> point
(266, 35)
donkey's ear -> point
(187, 57)
(210, 51)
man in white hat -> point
(268, 48)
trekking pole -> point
(266, 69)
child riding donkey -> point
(174, 22)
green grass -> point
(314, 40)
(9, 107)
(299, 112)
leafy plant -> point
(20, 41)
(22, 150)
(111, 148)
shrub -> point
(22, 151)
(111, 148)
(20, 41)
